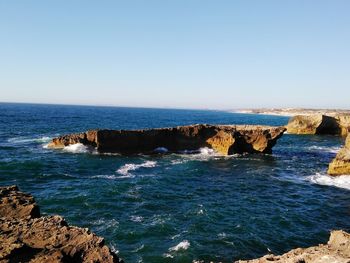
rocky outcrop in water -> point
(337, 250)
(25, 236)
(341, 163)
(224, 139)
(319, 124)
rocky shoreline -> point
(323, 124)
(337, 250)
(224, 139)
(341, 163)
(320, 124)
(26, 236)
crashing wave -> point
(183, 245)
(341, 181)
(77, 148)
(126, 168)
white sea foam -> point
(174, 162)
(20, 140)
(183, 245)
(222, 235)
(202, 154)
(333, 149)
(202, 151)
(206, 151)
(138, 249)
(46, 145)
(77, 148)
(125, 169)
(136, 219)
(341, 181)
(103, 224)
(112, 246)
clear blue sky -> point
(180, 53)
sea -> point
(176, 207)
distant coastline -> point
(290, 112)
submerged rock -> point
(341, 163)
(319, 124)
(224, 139)
(337, 250)
(27, 237)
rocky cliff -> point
(224, 139)
(337, 250)
(319, 124)
(25, 236)
(341, 163)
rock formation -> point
(224, 139)
(27, 237)
(319, 124)
(341, 163)
(337, 250)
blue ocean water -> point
(176, 208)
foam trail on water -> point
(125, 169)
(76, 148)
(333, 149)
(341, 181)
(183, 245)
(105, 176)
(19, 140)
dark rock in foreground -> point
(224, 139)
(337, 250)
(341, 163)
(320, 124)
(27, 237)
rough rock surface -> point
(341, 163)
(225, 139)
(319, 124)
(337, 250)
(27, 237)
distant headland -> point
(292, 111)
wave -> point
(105, 176)
(332, 149)
(20, 140)
(138, 249)
(183, 245)
(137, 219)
(202, 151)
(126, 168)
(77, 148)
(105, 223)
(341, 181)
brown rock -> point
(313, 124)
(341, 163)
(344, 123)
(337, 250)
(225, 139)
(14, 203)
(27, 237)
(319, 124)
